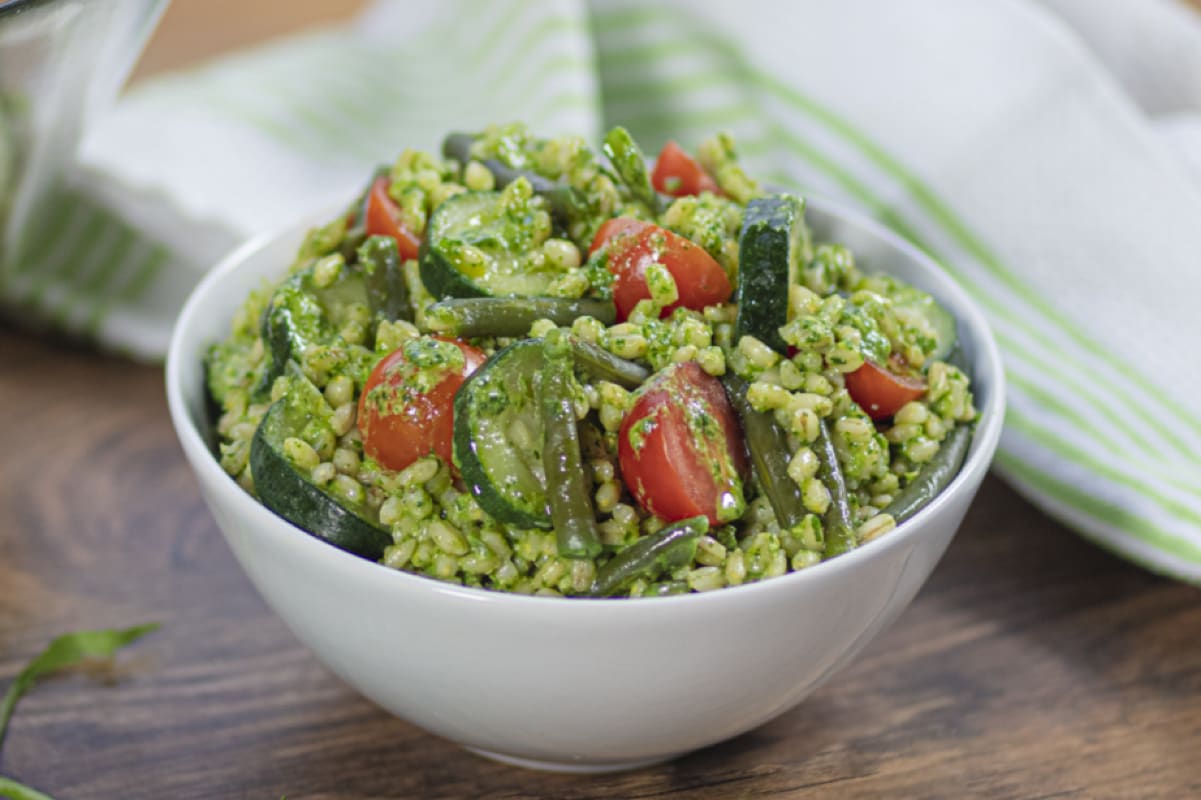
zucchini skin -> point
(769, 246)
(475, 473)
(456, 222)
(441, 278)
(281, 329)
(283, 490)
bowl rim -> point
(986, 362)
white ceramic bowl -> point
(575, 684)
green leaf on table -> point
(67, 650)
(19, 791)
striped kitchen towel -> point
(1046, 154)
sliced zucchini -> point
(293, 320)
(473, 248)
(301, 313)
(498, 436)
(916, 309)
(302, 414)
(773, 245)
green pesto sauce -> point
(865, 319)
(321, 328)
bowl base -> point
(570, 767)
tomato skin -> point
(421, 422)
(383, 219)
(613, 228)
(677, 174)
(673, 470)
(882, 393)
(700, 280)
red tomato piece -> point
(881, 393)
(612, 228)
(700, 280)
(402, 417)
(680, 447)
(677, 173)
(383, 219)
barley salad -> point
(526, 366)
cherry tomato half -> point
(634, 245)
(401, 416)
(613, 228)
(881, 393)
(677, 173)
(680, 447)
(383, 219)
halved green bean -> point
(768, 446)
(568, 488)
(839, 527)
(934, 477)
(458, 147)
(958, 359)
(627, 159)
(511, 316)
(603, 365)
(387, 292)
(669, 588)
(564, 200)
(356, 232)
(672, 546)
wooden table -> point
(1032, 664)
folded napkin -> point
(1049, 156)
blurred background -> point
(1034, 661)
(195, 29)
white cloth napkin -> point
(1048, 155)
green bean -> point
(512, 316)
(768, 446)
(957, 358)
(387, 292)
(458, 147)
(567, 484)
(603, 365)
(564, 200)
(839, 528)
(356, 234)
(627, 159)
(672, 546)
(668, 588)
(934, 477)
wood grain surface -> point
(1032, 665)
